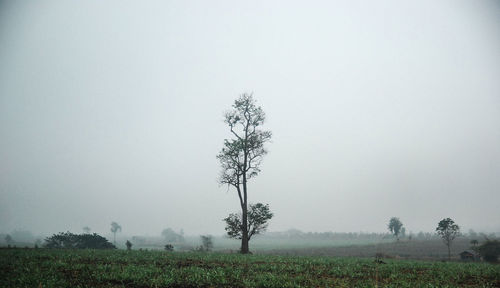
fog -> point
(113, 111)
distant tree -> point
(169, 248)
(171, 236)
(115, 227)
(242, 155)
(474, 244)
(448, 231)
(38, 242)
(139, 240)
(129, 245)
(258, 216)
(8, 239)
(490, 250)
(86, 229)
(206, 243)
(395, 226)
(69, 240)
(472, 233)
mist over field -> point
(113, 111)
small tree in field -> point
(395, 226)
(129, 245)
(448, 231)
(206, 243)
(8, 239)
(115, 227)
(242, 155)
(258, 215)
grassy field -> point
(118, 268)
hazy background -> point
(112, 111)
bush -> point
(129, 245)
(490, 250)
(169, 248)
(69, 240)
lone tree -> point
(395, 226)
(258, 215)
(86, 229)
(129, 245)
(115, 227)
(8, 239)
(448, 230)
(207, 243)
(242, 155)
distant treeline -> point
(297, 234)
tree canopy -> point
(395, 226)
(69, 240)
(258, 216)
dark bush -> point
(69, 240)
(490, 250)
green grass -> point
(118, 268)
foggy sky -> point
(113, 111)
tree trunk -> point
(244, 209)
(449, 252)
(244, 233)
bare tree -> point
(242, 155)
(448, 230)
(115, 227)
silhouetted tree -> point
(395, 226)
(448, 231)
(206, 243)
(242, 155)
(69, 240)
(115, 227)
(171, 236)
(474, 242)
(129, 245)
(490, 250)
(472, 233)
(258, 215)
(86, 229)
(8, 239)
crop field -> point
(119, 268)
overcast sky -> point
(113, 111)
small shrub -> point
(169, 248)
(129, 245)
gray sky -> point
(112, 111)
